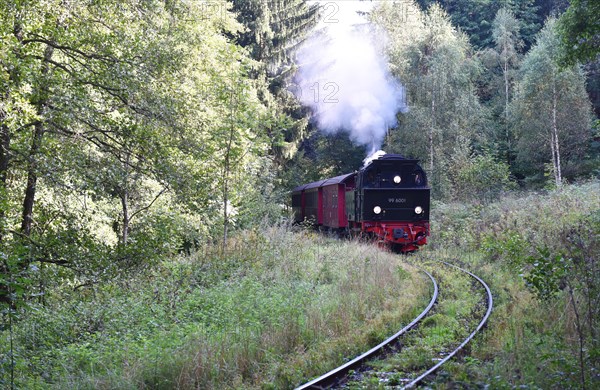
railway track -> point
(337, 376)
(489, 304)
(334, 376)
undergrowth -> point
(539, 254)
(282, 306)
(279, 307)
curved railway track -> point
(489, 304)
(337, 375)
(332, 377)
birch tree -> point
(502, 62)
(552, 112)
(437, 66)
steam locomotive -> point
(388, 199)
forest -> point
(148, 150)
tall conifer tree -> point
(273, 30)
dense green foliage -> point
(120, 123)
(580, 31)
(475, 17)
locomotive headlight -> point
(377, 210)
(397, 179)
(418, 210)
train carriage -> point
(334, 201)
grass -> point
(531, 249)
(283, 306)
(280, 307)
(531, 340)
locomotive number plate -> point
(396, 200)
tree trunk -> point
(506, 101)
(556, 149)
(32, 176)
(432, 127)
(124, 204)
(225, 215)
(38, 133)
(4, 147)
(593, 298)
(227, 166)
(32, 162)
(5, 290)
(226, 171)
(580, 336)
(4, 159)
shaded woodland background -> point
(131, 131)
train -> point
(387, 200)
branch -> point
(117, 94)
(55, 63)
(26, 126)
(63, 263)
(90, 135)
(89, 283)
(55, 45)
(150, 205)
(104, 87)
(25, 236)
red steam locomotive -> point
(387, 199)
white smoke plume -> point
(343, 77)
(373, 156)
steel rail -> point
(481, 324)
(330, 378)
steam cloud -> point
(373, 156)
(343, 77)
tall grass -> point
(539, 253)
(277, 307)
